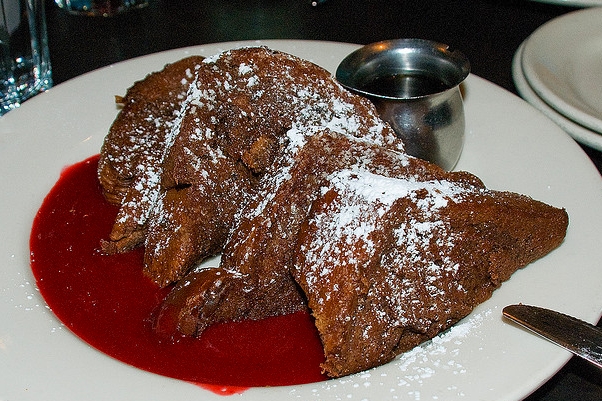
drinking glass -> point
(24, 59)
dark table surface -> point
(487, 31)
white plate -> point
(561, 62)
(581, 134)
(572, 3)
(508, 144)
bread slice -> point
(389, 262)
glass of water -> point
(24, 61)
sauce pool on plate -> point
(108, 302)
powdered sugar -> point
(386, 190)
(364, 198)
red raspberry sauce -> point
(107, 302)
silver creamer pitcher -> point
(415, 86)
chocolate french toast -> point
(312, 203)
(179, 191)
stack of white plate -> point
(558, 69)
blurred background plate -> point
(561, 62)
(572, 3)
(578, 132)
